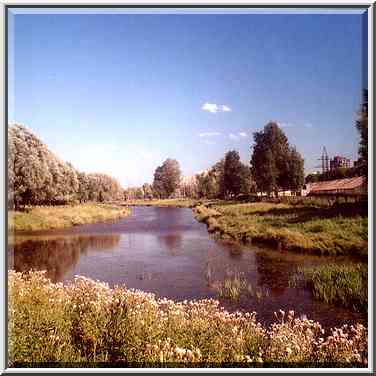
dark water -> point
(167, 252)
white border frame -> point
(209, 3)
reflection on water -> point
(172, 242)
(273, 274)
(167, 252)
(56, 256)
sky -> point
(119, 93)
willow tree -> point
(37, 176)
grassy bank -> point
(87, 321)
(55, 217)
(343, 284)
(336, 230)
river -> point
(167, 252)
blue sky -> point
(120, 93)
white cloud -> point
(211, 107)
(209, 134)
(209, 142)
(308, 125)
(214, 108)
(233, 136)
(242, 134)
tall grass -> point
(234, 286)
(332, 283)
(87, 323)
(338, 230)
(54, 217)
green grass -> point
(55, 217)
(86, 321)
(338, 230)
(237, 286)
(332, 283)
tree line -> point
(274, 165)
(36, 176)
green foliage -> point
(295, 170)
(362, 127)
(232, 173)
(235, 286)
(338, 173)
(166, 178)
(343, 284)
(228, 177)
(38, 177)
(274, 164)
(103, 188)
(86, 321)
(210, 183)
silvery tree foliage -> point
(36, 176)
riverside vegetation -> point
(85, 323)
(332, 230)
(343, 284)
(44, 218)
(311, 227)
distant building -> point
(339, 162)
(356, 186)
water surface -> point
(167, 252)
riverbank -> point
(57, 217)
(335, 230)
(88, 324)
(308, 227)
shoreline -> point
(61, 217)
(273, 225)
(280, 239)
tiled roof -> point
(339, 184)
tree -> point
(295, 170)
(362, 127)
(274, 164)
(210, 183)
(207, 185)
(148, 191)
(246, 183)
(232, 178)
(167, 178)
(158, 186)
(263, 166)
(39, 177)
